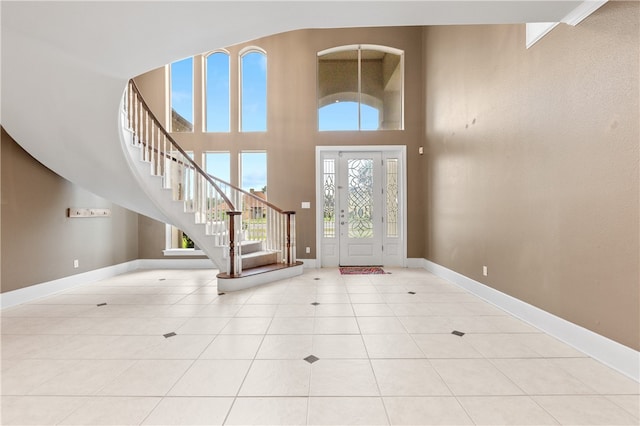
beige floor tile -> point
(204, 325)
(257, 311)
(425, 324)
(233, 346)
(366, 298)
(62, 347)
(630, 403)
(336, 325)
(211, 378)
(474, 377)
(425, 411)
(264, 299)
(195, 299)
(391, 346)
(547, 346)
(38, 410)
(334, 310)
(541, 377)
(285, 346)
(449, 309)
(372, 310)
(177, 347)
(277, 378)
(380, 325)
(286, 325)
(343, 377)
(112, 411)
(332, 297)
(602, 379)
(300, 310)
(86, 378)
(347, 411)
(410, 309)
(45, 311)
(471, 323)
(246, 326)
(408, 377)
(585, 410)
(446, 346)
(371, 337)
(25, 375)
(338, 346)
(505, 410)
(505, 324)
(219, 310)
(189, 411)
(501, 345)
(147, 378)
(271, 411)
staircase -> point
(248, 239)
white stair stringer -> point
(174, 210)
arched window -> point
(360, 87)
(182, 95)
(253, 90)
(217, 99)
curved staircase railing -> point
(229, 213)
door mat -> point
(361, 270)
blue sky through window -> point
(217, 92)
(218, 164)
(344, 116)
(182, 88)
(254, 92)
(254, 170)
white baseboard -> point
(27, 294)
(308, 263)
(176, 264)
(416, 263)
(611, 353)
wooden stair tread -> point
(258, 270)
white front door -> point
(361, 205)
(359, 208)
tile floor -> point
(385, 356)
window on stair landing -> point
(360, 87)
(253, 179)
(181, 73)
(217, 100)
(253, 90)
(178, 242)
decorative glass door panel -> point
(360, 208)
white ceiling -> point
(65, 64)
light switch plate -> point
(306, 205)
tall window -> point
(253, 171)
(253, 99)
(218, 164)
(182, 95)
(360, 88)
(217, 92)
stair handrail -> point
(192, 163)
(278, 229)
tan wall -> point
(39, 241)
(533, 164)
(292, 120)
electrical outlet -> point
(308, 250)
(485, 271)
(76, 263)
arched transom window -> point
(360, 87)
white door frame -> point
(401, 150)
